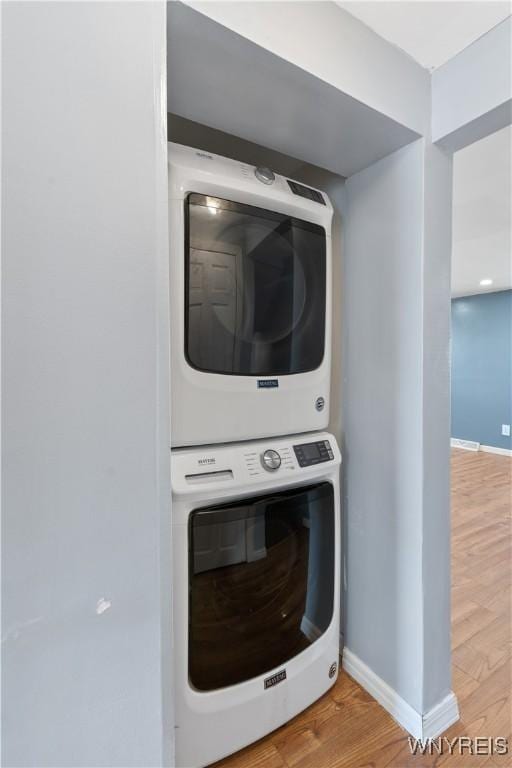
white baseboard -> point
(439, 718)
(387, 697)
(472, 445)
(467, 445)
(493, 449)
(427, 726)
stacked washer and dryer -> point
(255, 479)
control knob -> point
(271, 460)
(265, 175)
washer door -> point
(255, 290)
(261, 583)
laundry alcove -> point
(239, 88)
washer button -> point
(265, 175)
(271, 460)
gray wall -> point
(435, 415)
(85, 426)
(382, 425)
(384, 429)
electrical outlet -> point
(505, 430)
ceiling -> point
(430, 32)
(482, 206)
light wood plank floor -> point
(348, 729)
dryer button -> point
(271, 460)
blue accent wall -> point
(481, 367)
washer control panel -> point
(313, 453)
(283, 458)
(253, 464)
(271, 460)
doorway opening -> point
(481, 453)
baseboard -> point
(472, 445)
(427, 726)
(439, 718)
(493, 449)
(467, 445)
(398, 708)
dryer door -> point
(255, 290)
(261, 583)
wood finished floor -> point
(346, 728)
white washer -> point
(256, 551)
(250, 281)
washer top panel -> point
(249, 466)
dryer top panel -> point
(194, 170)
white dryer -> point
(256, 551)
(250, 271)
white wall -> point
(85, 515)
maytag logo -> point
(269, 682)
(268, 383)
(206, 461)
(203, 154)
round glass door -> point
(255, 290)
(261, 583)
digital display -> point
(307, 192)
(313, 453)
(310, 451)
